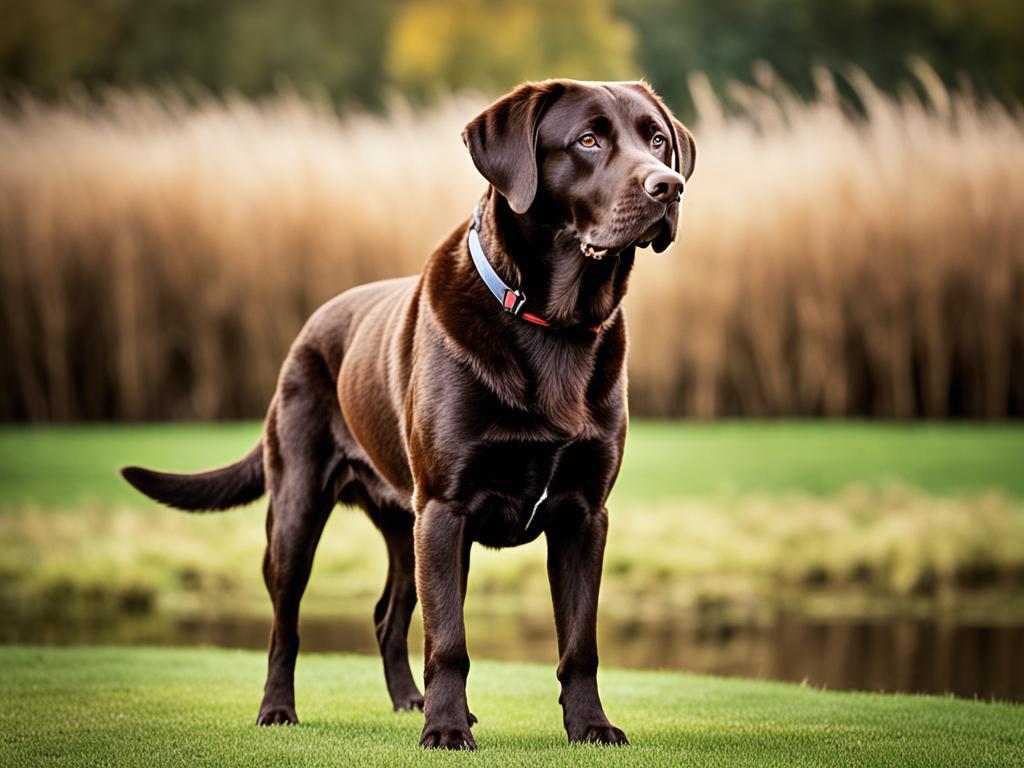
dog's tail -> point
(218, 489)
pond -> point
(878, 654)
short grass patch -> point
(64, 466)
(667, 460)
(174, 707)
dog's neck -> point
(543, 259)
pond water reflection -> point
(912, 655)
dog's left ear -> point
(502, 140)
(684, 147)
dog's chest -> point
(513, 491)
(561, 380)
(506, 488)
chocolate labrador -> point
(481, 401)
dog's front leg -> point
(575, 553)
(442, 563)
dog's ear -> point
(684, 148)
(502, 140)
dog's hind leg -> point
(302, 460)
(394, 609)
(295, 520)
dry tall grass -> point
(157, 257)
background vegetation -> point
(356, 54)
(158, 255)
(183, 182)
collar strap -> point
(511, 300)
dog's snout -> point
(664, 185)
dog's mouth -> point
(658, 230)
(595, 252)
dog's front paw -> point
(271, 714)
(446, 737)
(598, 733)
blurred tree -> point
(354, 52)
(251, 46)
(979, 38)
(439, 45)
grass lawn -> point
(673, 459)
(65, 466)
(162, 707)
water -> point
(910, 655)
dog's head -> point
(608, 160)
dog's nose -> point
(664, 185)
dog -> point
(483, 400)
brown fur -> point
(446, 418)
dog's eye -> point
(658, 140)
(587, 140)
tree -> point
(447, 45)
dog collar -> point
(511, 300)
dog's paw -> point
(408, 702)
(277, 715)
(599, 733)
(445, 737)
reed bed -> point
(158, 254)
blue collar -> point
(511, 300)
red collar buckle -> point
(513, 301)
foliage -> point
(357, 53)
(980, 39)
(322, 48)
(439, 45)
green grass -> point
(74, 465)
(161, 707)
(66, 466)
(666, 459)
